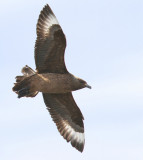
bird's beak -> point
(88, 86)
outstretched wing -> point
(50, 44)
(67, 116)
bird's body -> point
(56, 83)
(53, 80)
(51, 83)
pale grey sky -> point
(104, 47)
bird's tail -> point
(22, 85)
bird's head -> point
(83, 84)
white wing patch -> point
(45, 23)
(52, 20)
(73, 135)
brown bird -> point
(53, 80)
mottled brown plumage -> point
(53, 80)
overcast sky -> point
(104, 47)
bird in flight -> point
(53, 80)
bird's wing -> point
(50, 44)
(67, 116)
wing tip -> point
(47, 8)
(78, 146)
(77, 139)
(46, 20)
